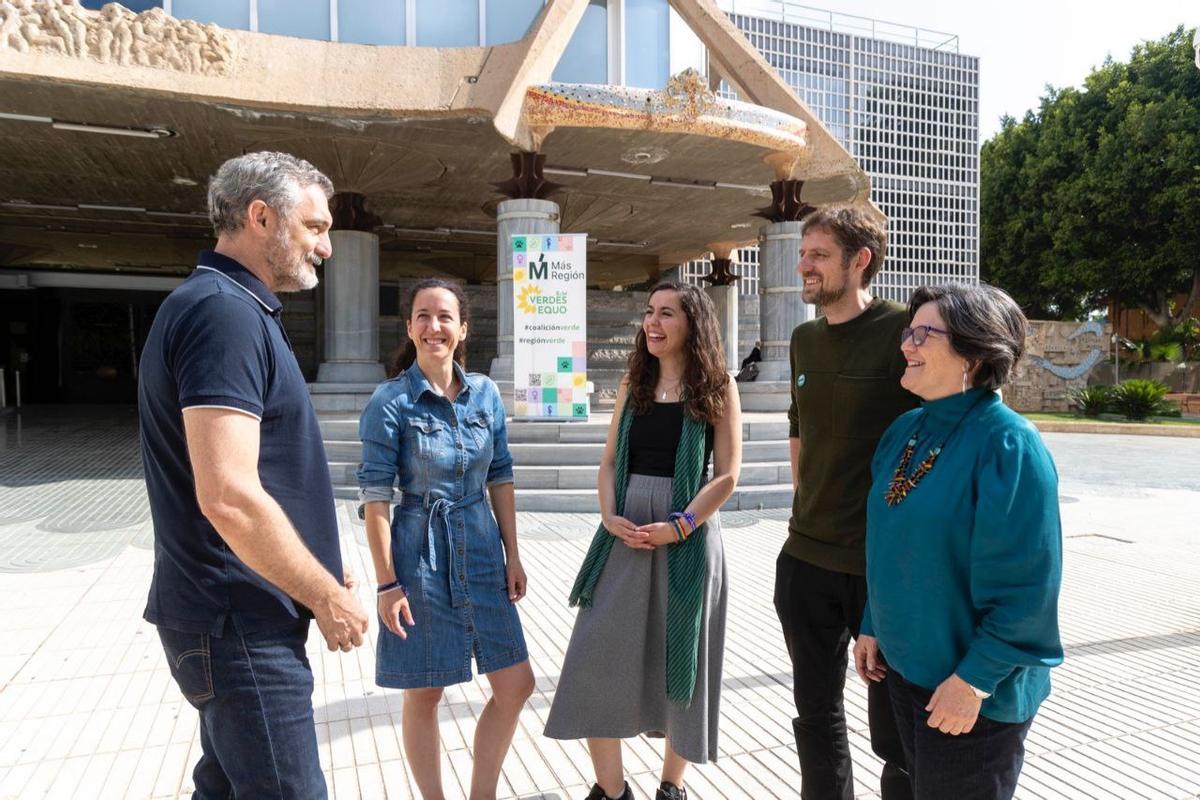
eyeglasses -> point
(919, 334)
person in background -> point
(964, 553)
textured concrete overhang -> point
(421, 132)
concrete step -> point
(344, 428)
(584, 476)
(589, 453)
(744, 498)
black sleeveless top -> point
(654, 438)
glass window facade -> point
(586, 58)
(133, 5)
(371, 21)
(910, 116)
(509, 20)
(307, 19)
(647, 49)
(447, 23)
(232, 14)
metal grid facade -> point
(905, 104)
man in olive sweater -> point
(846, 369)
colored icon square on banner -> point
(565, 364)
(549, 395)
(519, 259)
(579, 349)
(518, 244)
(549, 242)
(549, 379)
(578, 380)
(535, 379)
(521, 409)
(533, 244)
(533, 395)
(579, 410)
(564, 410)
(566, 243)
(579, 365)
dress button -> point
(458, 445)
(458, 472)
(470, 628)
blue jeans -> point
(981, 765)
(254, 695)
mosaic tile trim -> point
(686, 105)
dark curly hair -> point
(406, 354)
(986, 326)
(704, 376)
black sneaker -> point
(669, 791)
(598, 794)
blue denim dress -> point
(446, 544)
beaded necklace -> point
(903, 483)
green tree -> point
(1096, 195)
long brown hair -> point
(406, 354)
(704, 376)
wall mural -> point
(1082, 368)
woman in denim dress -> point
(447, 563)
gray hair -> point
(986, 326)
(275, 178)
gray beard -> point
(290, 277)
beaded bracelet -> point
(391, 587)
(691, 520)
(679, 537)
(675, 518)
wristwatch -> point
(980, 693)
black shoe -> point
(598, 794)
(669, 791)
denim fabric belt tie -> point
(440, 509)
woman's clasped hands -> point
(640, 537)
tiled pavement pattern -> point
(88, 709)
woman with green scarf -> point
(646, 652)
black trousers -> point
(981, 765)
(820, 610)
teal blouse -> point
(963, 575)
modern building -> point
(905, 103)
(446, 125)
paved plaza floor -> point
(88, 708)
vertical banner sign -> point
(550, 327)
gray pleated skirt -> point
(613, 682)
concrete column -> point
(781, 309)
(520, 218)
(725, 298)
(352, 310)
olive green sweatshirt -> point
(845, 392)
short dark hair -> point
(986, 326)
(853, 229)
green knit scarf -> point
(685, 560)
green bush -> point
(1138, 399)
(1092, 401)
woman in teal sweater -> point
(964, 552)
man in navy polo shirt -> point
(245, 537)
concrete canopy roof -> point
(422, 133)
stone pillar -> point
(725, 298)
(723, 290)
(352, 310)
(514, 217)
(781, 309)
